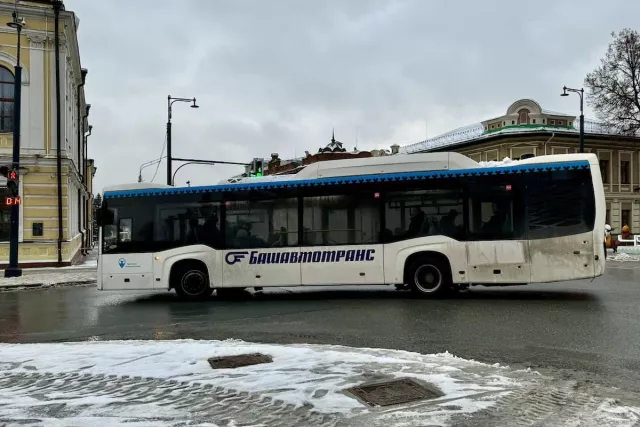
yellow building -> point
(55, 175)
(528, 129)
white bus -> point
(427, 222)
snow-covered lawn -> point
(170, 382)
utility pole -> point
(170, 101)
(580, 92)
(13, 270)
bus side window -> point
(496, 214)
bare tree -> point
(615, 84)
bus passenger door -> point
(341, 240)
(342, 265)
(262, 243)
(497, 248)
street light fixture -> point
(581, 93)
(170, 101)
(147, 164)
(13, 270)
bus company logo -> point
(122, 262)
(255, 257)
(234, 257)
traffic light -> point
(12, 182)
(11, 175)
(256, 168)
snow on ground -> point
(32, 279)
(168, 382)
(623, 257)
(298, 374)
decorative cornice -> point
(37, 40)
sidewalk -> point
(80, 274)
(168, 383)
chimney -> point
(395, 149)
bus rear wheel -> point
(429, 277)
(191, 282)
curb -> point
(45, 285)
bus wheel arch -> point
(428, 274)
(190, 279)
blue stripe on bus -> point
(358, 179)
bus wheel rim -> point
(193, 282)
(427, 278)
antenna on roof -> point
(357, 130)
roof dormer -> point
(527, 112)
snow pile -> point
(611, 413)
(49, 279)
(631, 250)
(622, 256)
(493, 163)
(167, 383)
(298, 374)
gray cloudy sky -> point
(277, 75)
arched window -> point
(6, 100)
(523, 117)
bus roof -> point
(373, 169)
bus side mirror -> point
(105, 217)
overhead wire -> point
(160, 159)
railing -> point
(635, 240)
(477, 131)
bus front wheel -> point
(428, 277)
(191, 282)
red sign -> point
(9, 201)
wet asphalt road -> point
(588, 330)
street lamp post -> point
(13, 270)
(147, 164)
(170, 102)
(581, 93)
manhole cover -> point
(394, 392)
(238, 361)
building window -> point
(341, 220)
(534, 121)
(6, 100)
(553, 122)
(625, 218)
(624, 172)
(523, 117)
(5, 216)
(604, 170)
(513, 122)
(607, 216)
(262, 224)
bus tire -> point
(429, 277)
(191, 281)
